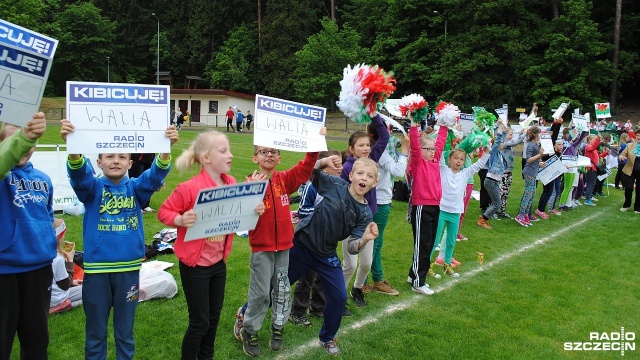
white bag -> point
(75, 208)
(155, 283)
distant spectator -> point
(249, 120)
(230, 115)
(239, 120)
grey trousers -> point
(268, 284)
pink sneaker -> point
(521, 220)
(462, 237)
(527, 220)
(440, 261)
(455, 262)
(542, 214)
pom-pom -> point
(362, 88)
(414, 105)
(473, 141)
(447, 114)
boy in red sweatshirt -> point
(270, 243)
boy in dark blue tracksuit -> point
(342, 213)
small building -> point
(208, 106)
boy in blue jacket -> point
(113, 241)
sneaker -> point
(554, 212)
(148, 210)
(577, 202)
(448, 270)
(636, 212)
(533, 218)
(623, 209)
(462, 237)
(496, 217)
(527, 220)
(423, 290)
(504, 216)
(589, 202)
(237, 326)
(250, 344)
(440, 261)
(300, 320)
(483, 223)
(276, 339)
(330, 347)
(601, 194)
(367, 288)
(316, 313)
(358, 297)
(593, 199)
(455, 262)
(520, 219)
(542, 214)
(383, 287)
(346, 312)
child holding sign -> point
(203, 269)
(113, 241)
(29, 244)
(270, 243)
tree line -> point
(471, 52)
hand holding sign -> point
(35, 128)
(188, 219)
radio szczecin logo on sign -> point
(607, 341)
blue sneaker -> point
(589, 202)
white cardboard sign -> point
(287, 125)
(226, 209)
(25, 62)
(117, 118)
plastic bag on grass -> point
(155, 283)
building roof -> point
(218, 92)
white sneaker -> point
(423, 290)
(594, 199)
(624, 209)
(577, 203)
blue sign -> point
(23, 61)
(290, 108)
(26, 39)
(240, 190)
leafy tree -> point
(234, 66)
(321, 61)
(26, 13)
(85, 42)
(287, 25)
(574, 65)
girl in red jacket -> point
(203, 270)
(591, 151)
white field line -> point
(389, 310)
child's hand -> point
(35, 128)
(260, 208)
(487, 149)
(333, 162)
(543, 163)
(66, 128)
(404, 144)
(188, 219)
(172, 134)
(256, 176)
(68, 251)
(323, 131)
(76, 282)
(371, 232)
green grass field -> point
(539, 288)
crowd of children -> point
(342, 201)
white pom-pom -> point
(411, 99)
(448, 115)
(351, 98)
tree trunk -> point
(613, 96)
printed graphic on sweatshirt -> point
(279, 192)
(29, 191)
(117, 212)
